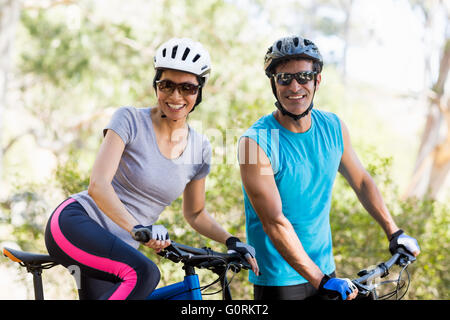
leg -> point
(75, 239)
(93, 288)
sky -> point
(396, 58)
(393, 55)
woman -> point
(148, 158)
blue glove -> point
(400, 239)
(335, 287)
(246, 250)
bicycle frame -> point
(188, 289)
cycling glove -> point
(145, 234)
(400, 239)
(333, 288)
(235, 244)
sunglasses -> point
(285, 79)
(184, 88)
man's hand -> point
(337, 288)
(401, 239)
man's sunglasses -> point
(184, 88)
(285, 79)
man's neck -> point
(296, 126)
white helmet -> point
(184, 54)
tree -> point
(433, 161)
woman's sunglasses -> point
(285, 79)
(184, 88)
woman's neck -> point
(171, 130)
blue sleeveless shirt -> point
(305, 166)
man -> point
(289, 160)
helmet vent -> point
(279, 45)
(185, 54)
(295, 41)
(174, 52)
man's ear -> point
(318, 80)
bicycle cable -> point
(400, 285)
(226, 283)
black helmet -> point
(289, 48)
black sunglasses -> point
(184, 88)
(303, 77)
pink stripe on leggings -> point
(123, 271)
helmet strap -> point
(284, 112)
(296, 117)
(163, 116)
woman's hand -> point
(153, 236)
(158, 245)
(246, 250)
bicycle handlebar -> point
(203, 257)
(401, 258)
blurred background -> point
(65, 66)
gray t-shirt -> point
(146, 181)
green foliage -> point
(359, 242)
(58, 58)
(66, 55)
(24, 214)
(71, 179)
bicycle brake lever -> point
(405, 257)
(242, 261)
(362, 289)
(171, 252)
(246, 265)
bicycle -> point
(190, 257)
(369, 281)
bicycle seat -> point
(27, 258)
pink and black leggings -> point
(110, 268)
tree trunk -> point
(9, 16)
(433, 161)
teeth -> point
(296, 97)
(175, 106)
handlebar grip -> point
(405, 256)
(141, 236)
(243, 261)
